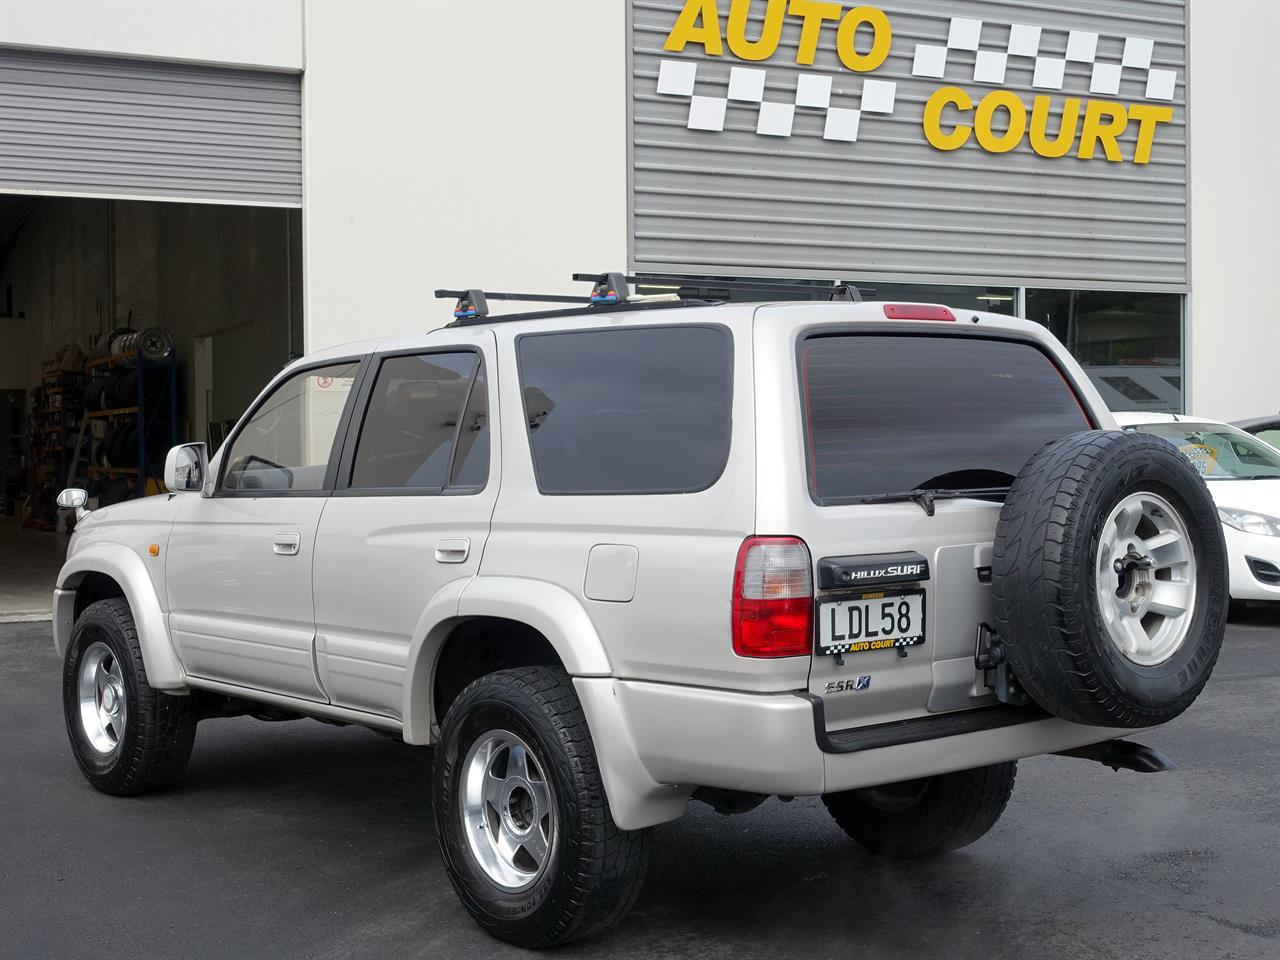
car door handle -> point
(286, 544)
(453, 550)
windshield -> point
(1219, 452)
(891, 413)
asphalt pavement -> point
(301, 839)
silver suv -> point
(612, 558)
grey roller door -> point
(811, 201)
(103, 126)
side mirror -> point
(73, 498)
(186, 467)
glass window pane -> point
(1217, 451)
(471, 462)
(875, 424)
(287, 442)
(628, 410)
(406, 439)
(1130, 344)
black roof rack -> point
(612, 291)
(847, 290)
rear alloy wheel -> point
(922, 818)
(127, 736)
(521, 815)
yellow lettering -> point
(1060, 145)
(814, 13)
(770, 32)
(988, 139)
(1147, 115)
(942, 98)
(699, 22)
(1096, 131)
(881, 39)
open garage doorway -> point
(126, 326)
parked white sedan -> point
(1243, 474)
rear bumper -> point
(768, 743)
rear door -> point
(410, 513)
(902, 587)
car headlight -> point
(1250, 522)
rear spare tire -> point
(1110, 579)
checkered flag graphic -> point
(1024, 41)
(774, 117)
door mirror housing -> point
(73, 498)
(186, 468)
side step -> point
(915, 730)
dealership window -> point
(1130, 344)
(991, 299)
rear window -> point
(634, 410)
(885, 414)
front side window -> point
(631, 410)
(886, 414)
(415, 434)
(288, 441)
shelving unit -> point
(155, 415)
(56, 408)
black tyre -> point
(923, 818)
(1110, 579)
(521, 815)
(126, 736)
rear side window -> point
(635, 410)
(884, 414)
(414, 425)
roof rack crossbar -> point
(473, 304)
(835, 289)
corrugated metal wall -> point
(888, 205)
(104, 126)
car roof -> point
(1255, 423)
(731, 313)
(1142, 418)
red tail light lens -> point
(917, 311)
(773, 598)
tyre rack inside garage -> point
(138, 434)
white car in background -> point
(1243, 475)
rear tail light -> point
(773, 598)
(917, 311)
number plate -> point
(878, 620)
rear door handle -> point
(286, 544)
(453, 550)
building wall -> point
(260, 33)
(1233, 342)
(454, 144)
(13, 354)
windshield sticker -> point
(1203, 457)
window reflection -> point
(1130, 344)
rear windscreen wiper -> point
(925, 497)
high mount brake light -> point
(773, 598)
(917, 311)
